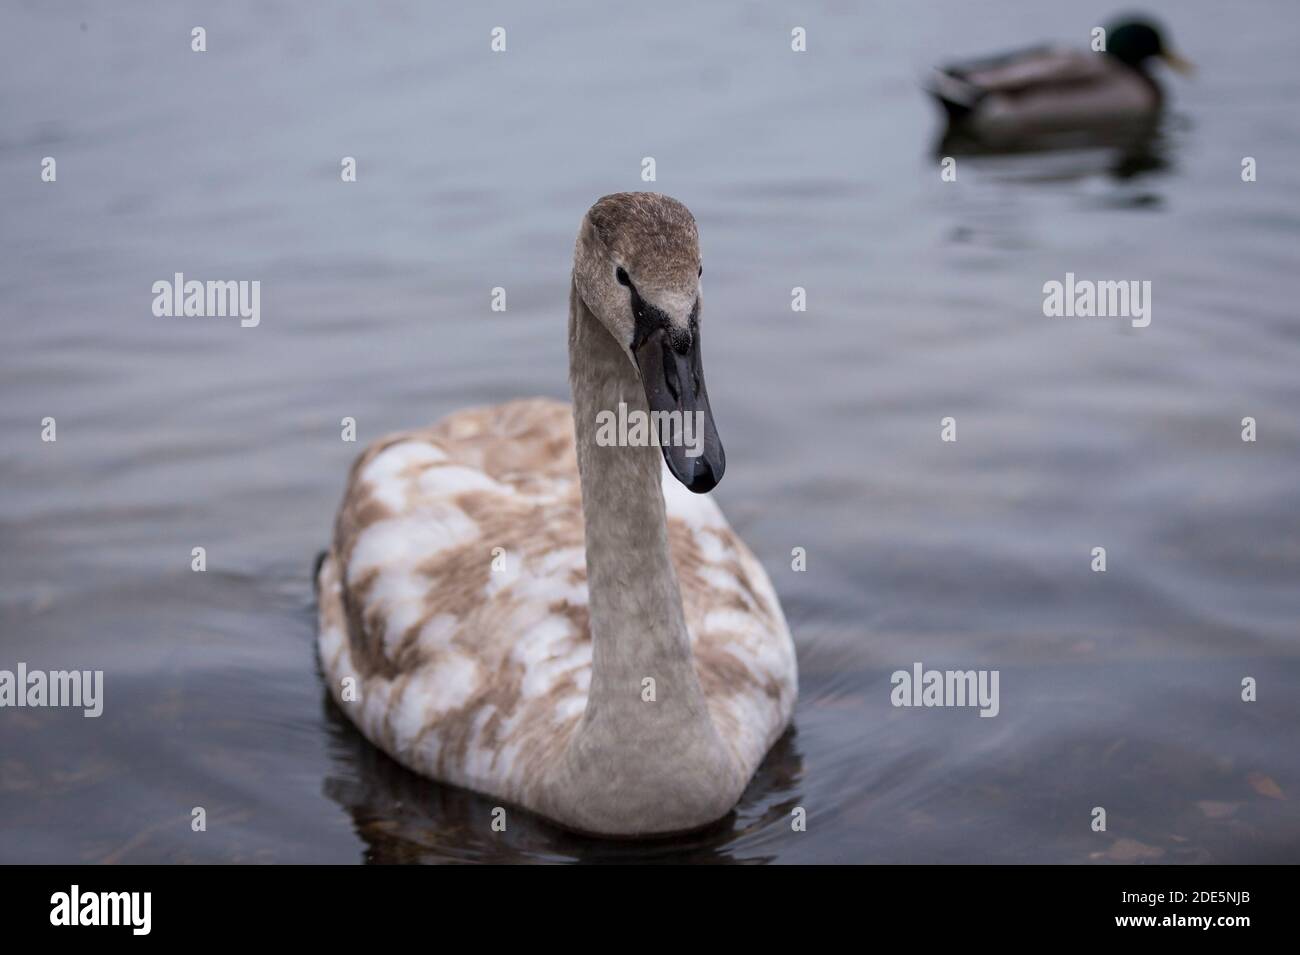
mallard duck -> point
(1045, 91)
(515, 604)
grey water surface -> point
(1119, 690)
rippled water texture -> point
(1119, 690)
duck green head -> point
(1135, 41)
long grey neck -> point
(635, 764)
(637, 625)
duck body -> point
(455, 597)
(1048, 95)
(1043, 92)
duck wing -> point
(960, 87)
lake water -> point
(924, 300)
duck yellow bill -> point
(1186, 67)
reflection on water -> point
(1119, 690)
(1122, 157)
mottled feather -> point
(455, 596)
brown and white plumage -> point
(455, 598)
(477, 676)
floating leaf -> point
(1265, 786)
(1129, 850)
(1217, 810)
